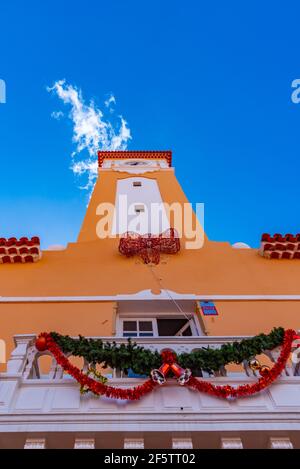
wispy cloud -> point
(57, 114)
(110, 100)
(91, 131)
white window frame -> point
(121, 317)
(137, 319)
(139, 208)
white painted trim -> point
(84, 443)
(231, 443)
(146, 295)
(182, 443)
(35, 443)
(280, 443)
(160, 414)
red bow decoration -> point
(149, 246)
(169, 358)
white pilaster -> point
(35, 443)
(17, 361)
(134, 443)
(182, 443)
(84, 443)
(280, 443)
(231, 443)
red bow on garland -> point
(149, 246)
(169, 364)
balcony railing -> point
(24, 359)
(32, 401)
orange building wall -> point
(95, 267)
(252, 317)
(66, 318)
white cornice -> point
(145, 295)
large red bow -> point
(149, 246)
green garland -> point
(141, 361)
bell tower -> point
(138, 184)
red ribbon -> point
(148, 246)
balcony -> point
(33, 403)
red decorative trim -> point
(13, 250)
(123, 154)
(280, 246)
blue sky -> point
(211, 81)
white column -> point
(17, 360)
(280, 443)
(35, 443)
(182, 443)
(134, 443)
(84, 443)
(231, 443)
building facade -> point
(201, 294)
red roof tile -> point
(280, 246)
(125, 154)
(13, 250)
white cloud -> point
(91, 131)
(57, 114)
(110, 100)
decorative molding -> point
(134, 443)
(231, 443)
(182, 443)
(146, 295)
(281, 443)
(35, 443)
(127, 154)
(84, 443)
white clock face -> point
(136, 163)
(133, 166)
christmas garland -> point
(141, 361)
(111, 355)
(46, 342)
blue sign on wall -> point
(208, 308)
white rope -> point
(159, 281)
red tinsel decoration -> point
(169, 358)
(249, 389)
(149, 246)
(95, 386)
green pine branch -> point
(142, 361)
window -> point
(137, 327)
(139, 208)
(160, 326)
(136, 183)
(174, 327)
